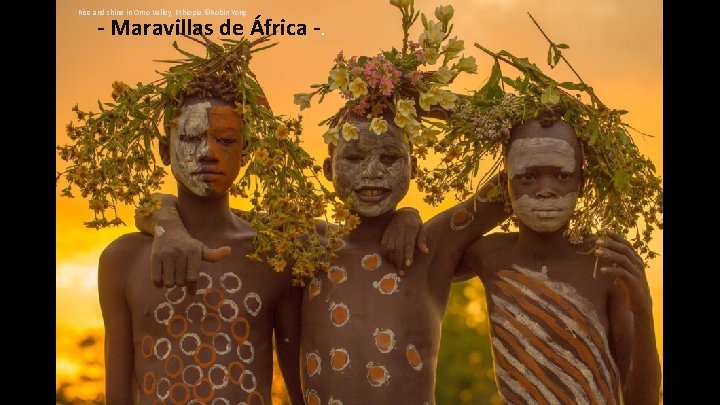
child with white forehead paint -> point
(560, 334)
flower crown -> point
(621, 191)
(112, 161)
(390, 82)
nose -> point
(374, 169)
(207, 150)
(546, 189)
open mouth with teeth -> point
(372, 194)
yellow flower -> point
(406, 107)
(447, 100)
(444, 13)
(282, 132)
(358, 87)
(303, 100)
(466, 64)
(261, 156)
(427, 135)
(412, 129)
(118, 89)
(341, 212)
(379, 126)
(339, 79)
(331, 136)
(401, 120)
(349, 131)
(445, 74)
(428, 99)
(400, 3)
(453, 47)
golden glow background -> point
(615, 45)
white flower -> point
(379, 126)
(466, 64)
(447, 100)
(433, 33)
(431, 56)
(331, 136)
(444, 13)
(445, 74)
(349, 131)
(303, 100)
(453, 47)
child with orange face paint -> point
(213, 343)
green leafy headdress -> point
(392, 82)
(111, 159)
(621, 190)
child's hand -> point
(404, 232)
(176, 257)
(619, 259)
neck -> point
(542, 244)
(204, 216)
(370, 229)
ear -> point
(413, 167)
(164, 144)
(327, 168)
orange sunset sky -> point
(615, 45)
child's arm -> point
(471, 264)
(176, 256)
(631, 322)
(119, 352)
(287, 341)
(453, 230)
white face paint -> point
(545, 214)
(528, 152)
(184, 159)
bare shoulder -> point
(124, 249)
(494, 243)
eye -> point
(226, 141)
(190, 138)
(526, 177)
(564, 176)
(389, 159)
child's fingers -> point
(623, 249)
(615, 257)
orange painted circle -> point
(186, 397)
(210, 396)
(207, 294)
(149, 352)
(173, 321)
(230, 371)
(213, 355)
(240, 339)
(168, 366)
(149, 386)
(255, 394)
(203, 325)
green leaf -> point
(620, 180)
(550, 96)
(562, 46)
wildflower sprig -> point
(392, 84)
(111, 159)
(621, 191)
